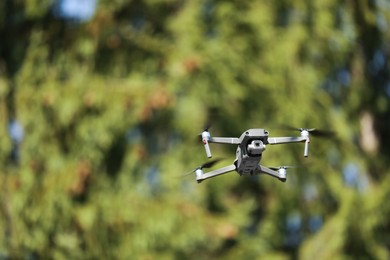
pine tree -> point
(101, 116)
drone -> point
(250, 147)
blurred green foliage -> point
(110, 110)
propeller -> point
(305, 132)
(312, 131)
(204, 166)
(205, 129)
(284, 167)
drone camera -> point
(256, 147)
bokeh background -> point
(101, 103)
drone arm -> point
(224, 140)
(206, 139)
(276, 174)
(306, 151)
(286, 140)
(217, 172)
(207, 148)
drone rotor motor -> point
(282, 172)
(199, 172)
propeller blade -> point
(205, 129)
(210, 163)
(188, 173)
(291, 128)
(312, 131)
(284, 167)
(322, 133)
(205, 165)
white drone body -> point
(250, 147)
